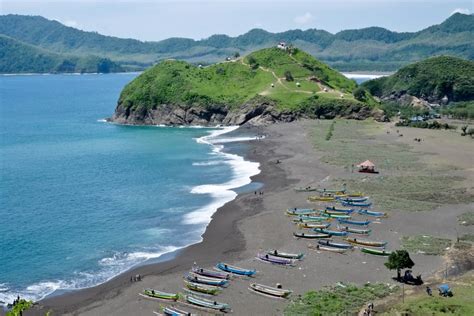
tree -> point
(237, 55)
(360, 94)
(464, 130)
(288, 76)
(399, 259)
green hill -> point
(372, 48)
(430, 79)
(268, 85)
(18, 57)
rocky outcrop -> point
(257, 111)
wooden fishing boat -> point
(334, 209)
(314, 225)
(358, 204)
(346, 216)
(282, 254)
(321, 198)
(306, 189)
(332, 212)
(372, 213)
(354, 194)
(269, 290)
(207, 303)
(376, 252)
(353, 222)
(333, 244)
(336, 191)
(173, 311)
(355, 230)
(233, 269)
(202, 288)
(275, 260)
(211, 273)
(353, 199)
(331, 232)
(311, 235)
(301, 211)
(307, 219)
(161, 295)
(365, 242)
(196, 278)
(327, 248)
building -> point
(282, 45)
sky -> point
(153, 20)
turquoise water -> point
(82, 200)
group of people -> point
(369, 310)
(135, 278)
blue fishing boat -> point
(358, 204)
(331, 232)
(353, 222)
(372, 213)
(236, 270)
(353, 199)
(337, 209)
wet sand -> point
(252, 223)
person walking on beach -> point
(429, 291)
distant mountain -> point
(373, 48)
(430, 80)
(18, 57)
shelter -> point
(367, 167)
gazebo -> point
(367, 167)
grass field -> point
(338, 300)
(466, 219)
(406, 182)
(424, 244)
(461, 304)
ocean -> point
(82, 200)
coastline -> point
(251, 223)
(223, 221)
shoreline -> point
(175, 261)
(252, 223)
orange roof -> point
(366, 164)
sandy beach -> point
(252, 223)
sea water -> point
(82, 200)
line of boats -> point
(201, 284)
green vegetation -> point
(467, 218)
(372, 48)
(425, 124)
(398, 260)
(19, 308)
(231, 84)
(405, 183)
(427, 245)
(467, 237)
(338, 300)
(19, 57)
(420, 304)
(330, 130)
(460, 110)
(431, 79)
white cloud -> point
(303, 19)
(461, 10)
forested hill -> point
(265, 86)
(18, 57)
(372, 48)
(432, 80)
